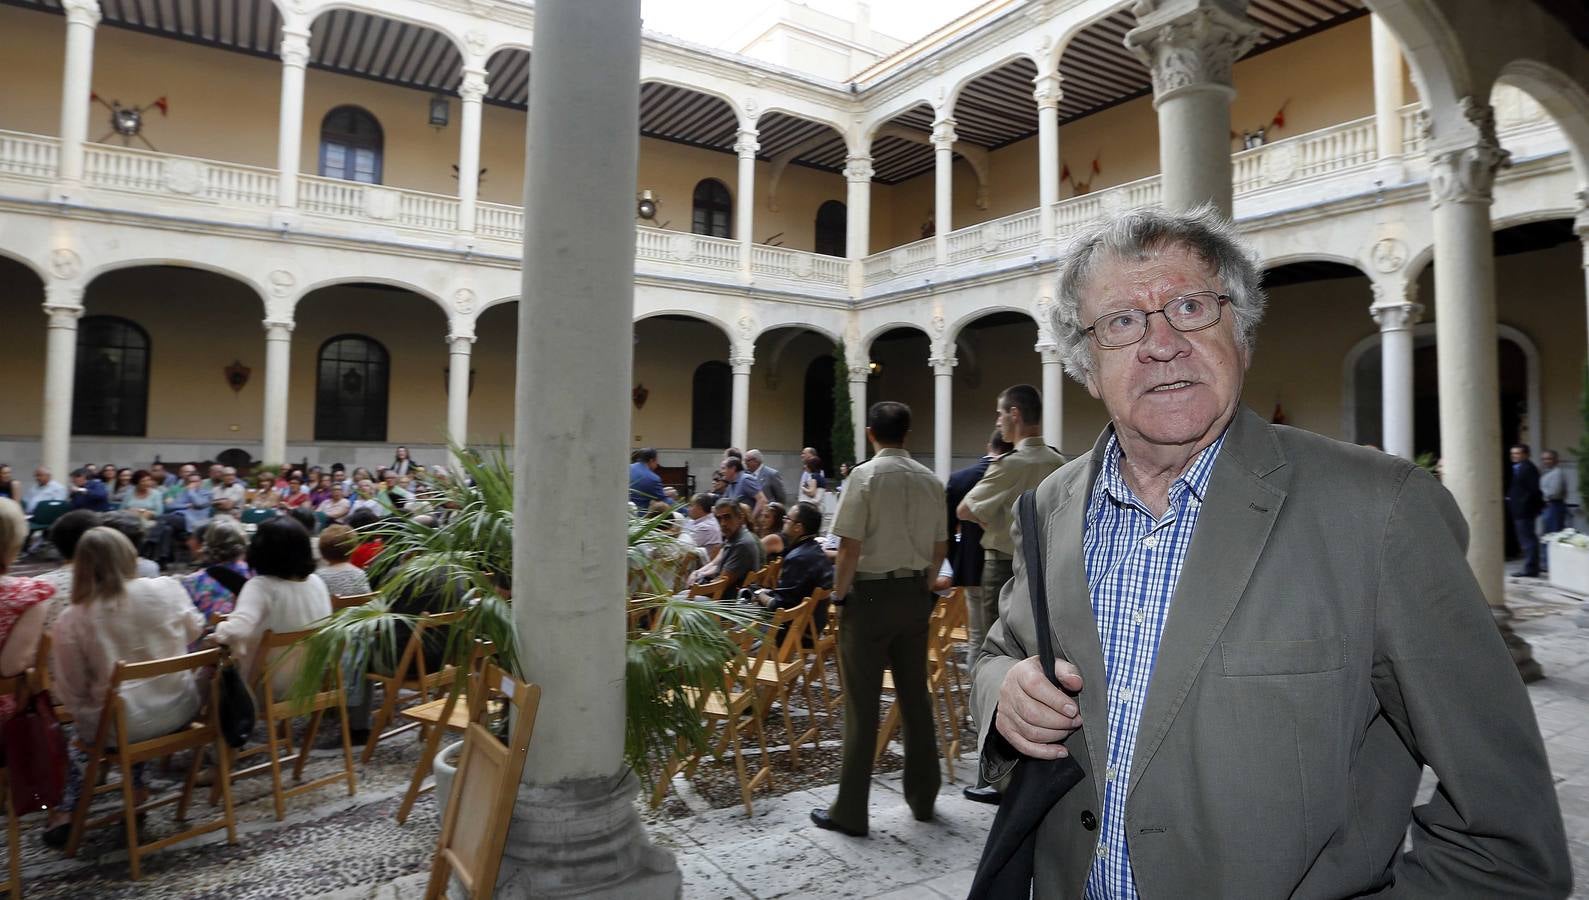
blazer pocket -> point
(1283, 657)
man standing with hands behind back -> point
(1263, 636)
(892, 539)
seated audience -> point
(44, 487)
(221, 573)
(295, 494)
(805, 567)
(335, 508)
(116, 616)
(367, 498)
(284, 595)
(143, 498)
(132, 528)
(88, 492)
(122, 486)
(265, 495)
(64, 535)
(700, 527)
(342, 578)
(10, 488)
(369, 545)
(191, 508)
(770, 529)
(23, 604)
(321, 492)
(162, 478)
(230, 495)
(741, 553)
(669, 558)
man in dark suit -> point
(805, 567)
(1524, 503)
(965, 545)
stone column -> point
(943, 139)
(1580, 224)
(1461, 175)
(1189, 47)
(459, 348)
(1396, 311)
(858, 218)
(278, 360)
(943, 368)
(63, 303)
(741, 358)
(289, 132)
(1388, 101)
(575, 831)
(77, 85)
(1047, 96)
(745, 205)
(858, 378)
(1053, 394)
(472, 90)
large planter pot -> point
(1569, 567)
(445, 767)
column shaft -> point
(1053, 397)
(459, 349)
(278, 359)
(745, 205)
(739, 415)
(63, 305)
(858, 218)
(1388, 99)
(1048, 96)
(289, 131)
(943, 138)
(77, 85)
(1396, 316)
(472, 91)
(942, 415)
(858, 380)
(1189, 47)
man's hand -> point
(1033, 715)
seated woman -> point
(284, 595)
(147, 501)
(294, 494)
(118, 616)
(769, 527)
(368, 545)
(122, 486)
(335, 508)
(22, 604)
(265, 495)
(214, 586)
(342, 578)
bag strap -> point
(1036, 580)
(227, 578)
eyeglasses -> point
(1188, 312)
(726, 518)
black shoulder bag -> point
(1005, 870)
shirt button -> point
(1103, 850)
(1109, 775)
(1150, 541)
(1125, 694)
(1139, 617)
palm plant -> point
(463, 550)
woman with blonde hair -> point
(118, 617)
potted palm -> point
(456, 543)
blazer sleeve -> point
(1006, 644)
(1447, 685)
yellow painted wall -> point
(22, 321)
(32, 48)
(667, 353)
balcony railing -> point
(781, 262)
(1339, 148)
(29, 155)
(147, 172)
(681, 248)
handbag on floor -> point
(1005, 870)
(236, 710)
(35, 754)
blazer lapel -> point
(1070, 618)
(1239, 510)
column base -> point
(1522, 653)
(584, 839)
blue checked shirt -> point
(1133, 565)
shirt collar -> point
(892, 451)
(1193, 480)
(1033, 441)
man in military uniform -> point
(991, 504)
(892, 540)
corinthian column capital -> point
(81, 12)
(295, 47)
(1190, 44)
(1467, 174)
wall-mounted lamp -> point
(876, 368)
(237, 375)
(440, 111)
(646, 206)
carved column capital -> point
(942, 359)
(278, 329)
(1396, 306)
(295, 47)
(1467, 174)
(746, 146)
(1046, 91)
(473, 87)
(63, 305)
(859, 373)
(1189, 44)
(81, 12)
(943, 133)
(460, 342)
(858, 169)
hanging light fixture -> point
(646, 206)
(440, 110)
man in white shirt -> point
(701, 528)
(44, 487)
(228, 496)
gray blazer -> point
(1326, 640)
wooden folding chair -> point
(435, 719)
(351, 600)
(278, 715)
(18, 685)
(724, 707)
(777, 675)
(939, 687)
(821, 645)
(470, 846)
(711, 590)
(409, 682)
(198, 735)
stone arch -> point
(952, 96)
(94, 273)
(726, 99)
(1055, 53)
(1564, 100)
(956, 328)
(26, 263)
(719, 324)
(864, 347)
(1434, 53)
(432, 296)
(458, 41)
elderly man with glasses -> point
(742, 553)
(1263, 635)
